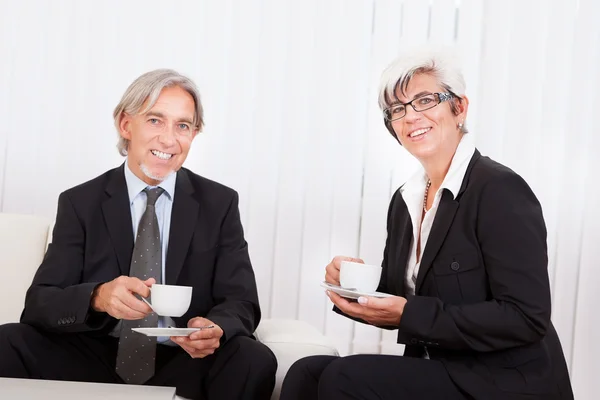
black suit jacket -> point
(93, 243)
(482, 303)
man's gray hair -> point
(437, 61)
(147, 88)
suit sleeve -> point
(234, 288)
(512, 237)
(56, 300)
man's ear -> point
(125, 126)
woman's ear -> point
(463, 107)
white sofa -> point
(23, 242)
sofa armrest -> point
(291, 340)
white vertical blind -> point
(290, 90)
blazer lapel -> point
(117, 216)
(443, 219)
(183, 223)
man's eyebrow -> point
(161, 115)
(155, 114)
(187, 120)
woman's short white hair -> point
(147, 88)
(440, 62)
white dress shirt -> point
(163, 208)
(413, 193)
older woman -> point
(465, 259)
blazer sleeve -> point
(56, 300)
(383, 286)
(512, 236)
(234, 288)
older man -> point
(86, 296)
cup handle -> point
(146, 301)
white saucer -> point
(352, 293)
(166, 331)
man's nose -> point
(167, 137)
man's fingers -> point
(204, 345)
(197, 345)
(134, 303)
(122, 311)
(206, 334)
(137, 286)
(149, 282)
(188, 349)
(198, 322)
(205, 353)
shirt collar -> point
(135, 185)
(458, 167)
(415, 186)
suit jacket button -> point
(455, 266)
(413, 341)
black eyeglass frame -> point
(440, 96)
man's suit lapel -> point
(117, 216)
(184, 218)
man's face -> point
(159, 140)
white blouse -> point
(413, 193)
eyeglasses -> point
(418, 104)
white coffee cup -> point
(362, 277)
(170, 300)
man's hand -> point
(116, 298)
(376, 311)
(201, 343)
(332, 270)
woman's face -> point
(431, 132)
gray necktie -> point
(137, 353)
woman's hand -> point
(332, 270)
(376, 311)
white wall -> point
(289, 89)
